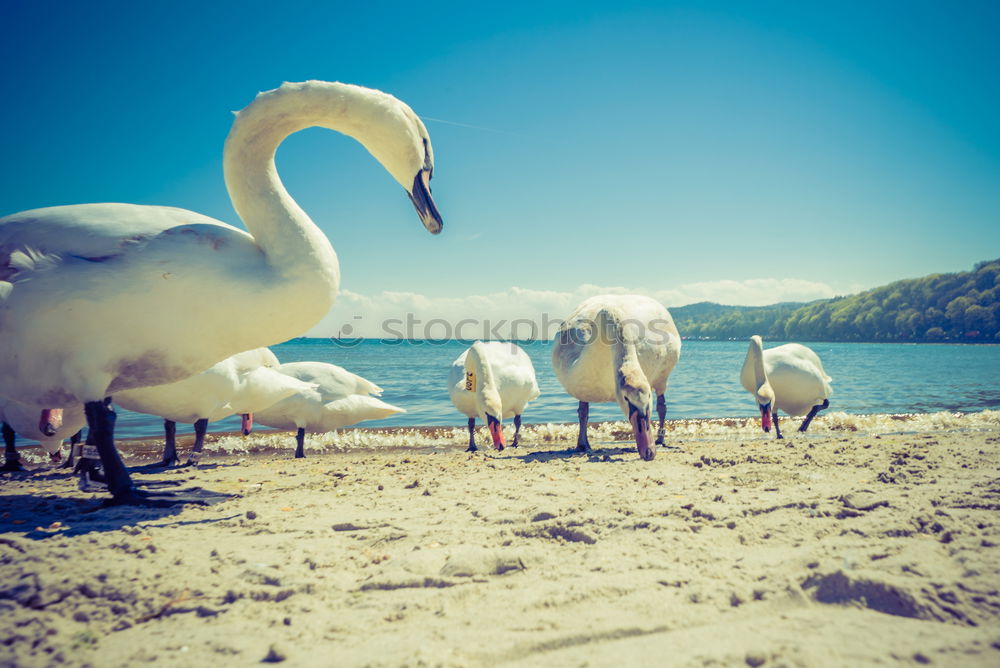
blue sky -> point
(649, 146)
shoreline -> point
(840, 547)
(441, 438)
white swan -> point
(49, 427)
(789, 377)
(618, 348)
(339, 399)
(492, 380)
(144, 284)
(242, 384)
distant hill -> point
(963, 306)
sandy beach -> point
(860, 543)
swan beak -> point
(420, 195)
(55, 457)
(247, 425)
(643, 437)
(50, 421)
(765, 417)
(496, 431)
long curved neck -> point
(482, 373)
(625, 358)
(290, 240)
(755, 357)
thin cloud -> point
(534, 313)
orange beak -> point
(247, 424)
(765, 418)
(50, 421)
(643, 438)
(496, 431)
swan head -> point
(765, 401)
(491, 413)
(398, 139)
(636, 400)
(246, 423)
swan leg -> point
(101, 422)
(200, 427)
(517, 430)
(300, 443)
(582, 442)
(812, 413)
(472, 435)
(74, 450)
(88, 466)
(169, 445)
(777, 430)
(661, 410)
(12, 460)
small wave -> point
(454, 438)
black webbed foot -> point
(12, 465)
(156, 466)
(472, 448)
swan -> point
(124, 273)
(492, 380)
(50, 427)
(339, 399)
(789, 377)
(241, 384)
(618, 348)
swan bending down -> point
(789, 377)
(619, 348)
(124, 273)
(49, 427)
(338, 399)
(492, 380)
(242, 384)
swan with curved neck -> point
(125, 273)
(492, 380)
(788, 377)
(619, 348)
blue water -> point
(867, 378)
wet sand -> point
(861, 543)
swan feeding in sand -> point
(338, 399)
(157, 294)
(492, 380)
(789, 377)
(242, 384)
(619, 348)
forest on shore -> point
(962, 306)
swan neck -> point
(755, 355)
(477, 364)
(625, 357)
(280, 227)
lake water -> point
(867, 378)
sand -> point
(856, 544)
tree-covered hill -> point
(964, 306)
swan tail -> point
(365, 386)
(357, 408)
(26, 261)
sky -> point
(737, 152)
